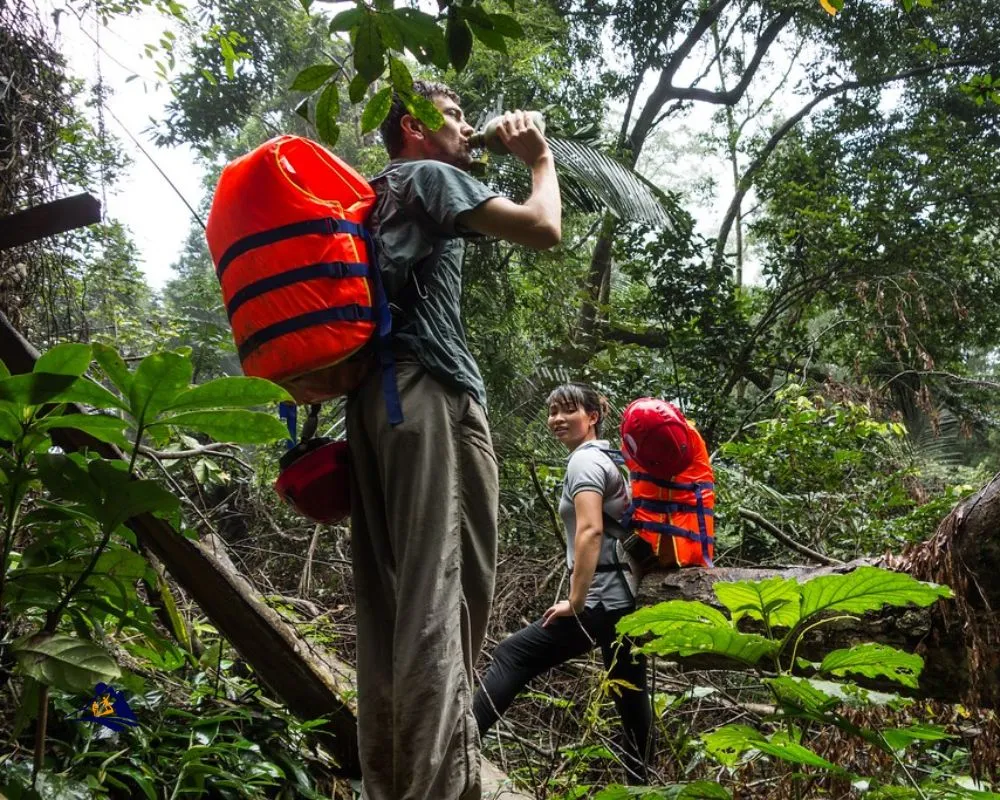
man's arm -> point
(536, 223)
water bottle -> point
(489, 139)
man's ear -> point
(411, 127)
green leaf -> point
(775, 598)
(102, 427)
(346, 20)
(124, 498)
(780, 746)
(4, 372)
(369, 51)
(489, 37)
(249, 427)
(669, 615)
(66, 477)
(698, 790)
(65, 359)
(10, 426)
(507, 25)
(875, 661)
(302, 108)
(399, 74)
(423, 37)
(800, 697)
(41, 388)
(327, 110)
(867, 589)
(748, 648)
(901, 738)
(459, 38)
(158, 381)
(66, 662)
(728, 743)
(424, 110)
(388, 26)
(357, 88)
(114, 367)
(311, 78)
(376, 109)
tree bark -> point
(956, 638)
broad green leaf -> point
(140, 780)
(799, 695)
(158, 381)
(66, 477)
(117, 563)
(66, 662)
(459, 38)
(101, 426)
(489, 37)
(867, 589)
(424, 110)
(65, 359)
(507, 25)
(376, 109)
(795, 753)
(422, 37)
(775, 598)
(728, 743)
(114, 367)
(369, 51)
(875, 661)
(703, 790)
(4, 372)
(399, 74)
(669, 615)
(392, 36)
(475, 15)
(357, 88)
(699, 790)
(10, 427)
(124, 498)
(346, 20)
(901, 738)
(691, 640)
(327, 111)
(35, 389)
(232, 392)
(311, 78)
(245, 427)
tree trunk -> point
(956, 638)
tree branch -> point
(785, 539)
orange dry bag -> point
(297, 268)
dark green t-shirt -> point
(415, 229)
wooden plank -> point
(48, 219)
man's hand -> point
(561, 609)
(522, 138)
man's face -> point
(450, 142)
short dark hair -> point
(581, 395)
(392, 133)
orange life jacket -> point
(676, 517)
(296, 266)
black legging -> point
(534, 649)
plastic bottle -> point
(489, 139)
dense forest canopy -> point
(823, 302)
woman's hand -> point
(561, 609)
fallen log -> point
(957, 638)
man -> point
(425, 491)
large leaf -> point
(666, 616)
(158, 381)
(311, 78)
(124, 498)
(66, 662)
(369, 50)
(376, 109)
(233, 392)
(39, 388)
(422, 36)
(114, 367)
(875, 661)
(10, 427)
(690, 640)
(800, 697)
(248, 427)
(327, 111)
(901, 738)
(777, 599)
(66, 477)
(115, 563)
(459, 38)
(65, 359)
(102, 427)
(730, 742)
(867, 589)
(699, 790)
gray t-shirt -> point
(592, 470)
(415, 229)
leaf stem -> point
(798, 639)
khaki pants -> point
(423, 537)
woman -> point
(594, 495)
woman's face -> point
(572, 425)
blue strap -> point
(665, 507)
(703, 530)
(670, 530)
(351, 313)
(289, 412)
(325, 269)
(324, 226)
(681, 487)
(383, 343)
